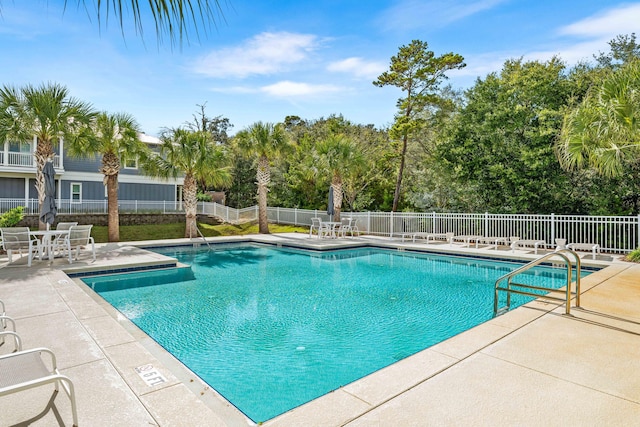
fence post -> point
(295, 216)
(637, 228)
(553, 228)
(391, 224)
(369, 222)
(486, 225)
(433, 222)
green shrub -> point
(202, 197)
(633, 256)
(12, 217)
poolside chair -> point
(58, 240)
(347, 226)
(26, 369)
(516, 244)
(323, 229)
(79, 237)
(19, 239)
(466, 240)
(316, 223)
(8, 322)
(594, 248)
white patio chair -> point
(18, 239)
(315, 225)
(58, 240)
(323, 229)
(348, 226)
(26, 369)
(79, 237)
(8, 322)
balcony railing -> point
(22, 160)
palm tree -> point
(604, 130)
(337, 156)
(48, 113)
(116, 139)
(194, 155)
(171, 17)
(265, 141)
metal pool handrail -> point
(521, 288)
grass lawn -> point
(131, 233)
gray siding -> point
(95, 191)
(93, 165)
(82, 165)
(90, 190)
(147, 192)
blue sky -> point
(268, 60)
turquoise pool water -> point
(271, 328)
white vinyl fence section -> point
(616, 234)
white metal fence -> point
(617, 234)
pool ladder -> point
(525, 289)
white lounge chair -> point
(429, 237)
(18, 239)
(594, 248)
(466, 240)
(495, 241)
(79, 237)
(535, 244)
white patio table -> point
(47, 240)
(333, 225)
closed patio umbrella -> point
(330, 209)
(48, 211)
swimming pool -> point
(272, 328)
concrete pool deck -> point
(531, 366)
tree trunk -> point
(396, 195)
(44, 151)
(336, 183)
(189, 193)
(112, 206)
(263, 177)
(110, 169)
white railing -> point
(24, 160)
(616, 234)
(67, 206)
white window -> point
(131, 163)
(25, 147)
(76, 192)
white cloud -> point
(234, 89)
(358, 67)
(412, 14)
(287, 88)
(620, 20)
(573, 43)
(264, 54)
